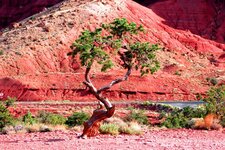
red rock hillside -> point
(35, 66)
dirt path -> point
(155, 140)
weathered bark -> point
(91, 126)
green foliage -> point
(177, 73)
(1, 52)
(5, 117)
(179, 118)
(97, 46)
(109, 128)
(213, 81)
(157, 106)
(29, 119)
(222, 121)
(215, 99)
(10, 101)
(78, 118)
(50, 118)
(137, 115)
(120, 27)
(143, 56)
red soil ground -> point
(180, 139)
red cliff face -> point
(16, 10)
(35, 66)
(204, 18)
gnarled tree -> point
(116, 38)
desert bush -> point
(215, 102)
(19, 128)
(78, 118)
(180, 118)
(131, 128)
(137, 115)
(215, 99)
(5, 116)
(222, 122)
(159, 107)
(8, 130)
(125, 127)
(212, 81)
(109, 128)
(37, 127)
(50, 118)
(28, 118)
(10, 101)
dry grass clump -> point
(77, 128)
(115, 126)
(13, 129)
(37, 127)
(8, 130)
(109, 128)
(131, 128)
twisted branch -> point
(106, 87)
(97, 93)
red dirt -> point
(35, 67)
(154, 140)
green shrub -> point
(29, 119)
(177, 73)
(175, 119)
(5, 116)
(215, 99)
(137, 115)
(180, 118)
(10, 101)
(1, 52)
(159, 107)
(222, 122)
(109, 128)
(213, 81)
(78, 118)
(50, 118)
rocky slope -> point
(34, 65)
(15, 10)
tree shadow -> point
(14, 88)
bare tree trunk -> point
(91, 126)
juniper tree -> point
(116, 38)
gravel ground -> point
(154, 140)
